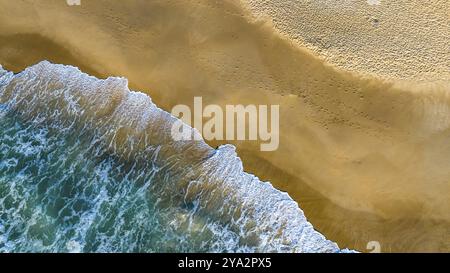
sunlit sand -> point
(364, 137)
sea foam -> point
(88, 165)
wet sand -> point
(365, 157)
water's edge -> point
(133, 129)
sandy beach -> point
(364, 117)
(391, 39)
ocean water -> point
(86, 165)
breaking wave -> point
(89, 166)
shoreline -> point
(339, 123)
(190, 172)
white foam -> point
(212, 179)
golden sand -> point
(365, 157)
(401, 39)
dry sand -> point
(366, 158)
(401, 39)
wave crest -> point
(189, 179)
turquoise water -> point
(60, 193)
(88, 166)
